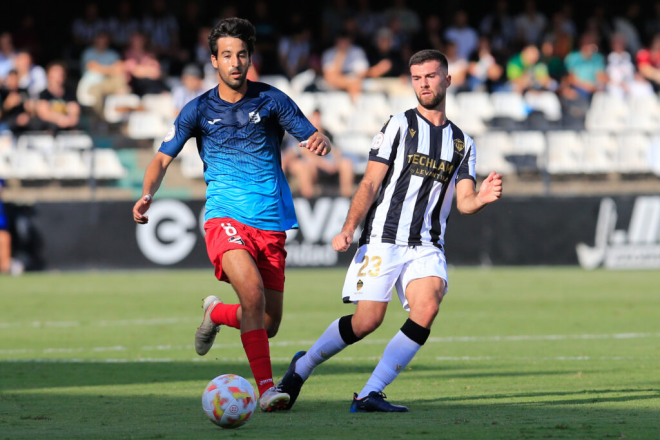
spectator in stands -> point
(629, 25)
(308, 167)
(345, 65)
(407, 17)
(15, 105)
(142, 68)
(586, 68)
(162, 29)
(123, 25)
(458, 68)
(57, 108)
(385, 61)
(104, 71)
(192, 85)
(7, 54)
(525, 72)
(485, 74)
(499, 27)
(294, 49)
(30, 77)
(5, 238)
(85, 29)
(530, 25)
(599, 24)
(648, 63)
(465, 37)
(620, 68)
(555, 63)
(431, 36)
(368, 20)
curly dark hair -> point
(429, 55)
(233, 27)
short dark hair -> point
(429, 55)
(52, 64)
(233, 27)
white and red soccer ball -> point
(229, 401)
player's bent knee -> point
(253, 300)
(366, 325)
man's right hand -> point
(342, 241)
(141, 206)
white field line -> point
(449, 339)
(243, 360)
(102, 323)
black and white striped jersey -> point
(415, 198)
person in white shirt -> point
(345, 65)
(465, 37)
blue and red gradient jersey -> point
(239, 144)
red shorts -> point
(266, 247)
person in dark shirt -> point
(384, 60)
(15, 105)
(57, 108)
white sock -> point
(329, 344)
(397, 355)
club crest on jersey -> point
(236, 239)
(254, 117)
(412, 132)
(458, 144)
(359, 284)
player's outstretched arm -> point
(470, 202)
(153, 176)
(362, 200)
(317, 143)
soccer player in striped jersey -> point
(239, 126)
(418, 161)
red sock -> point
(256, 347)
(225, 314)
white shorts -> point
(378, 267)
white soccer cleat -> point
(207, 331)
(273, 400)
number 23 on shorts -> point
(375, 266)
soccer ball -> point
(229, 401)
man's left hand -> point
(317, 143)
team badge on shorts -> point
(236, 239)
(359, 284)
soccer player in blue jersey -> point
(239, 126)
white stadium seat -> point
(509, 105)
(477, 104)
(634, 149)
(278, 81)
(546, 103)
(645, 104)
(528, 142)
(30, 165)
(73, 141)
(491, 149)
(192, 166)
(600, 152)
(654, 154)
(118, 107)
(146, 125)
(161, 104)
(106, 164)
(307, 102)
(45, 143)
(69, 165)
(565, 151)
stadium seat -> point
(492, 147)
(603, 102)
(336, 110)
(161, 104)
(192, 166)
(642, 121)
(400, 104)
(307, 102)
(358, 144)
(601, 120)
(645, 104)
(73, 141)
(43, 142)
(117, 108)
(529, 149)
(7, 171)
(146, 125)
(470, 124)
(6, 143)
(106, 164)
(301, 81)
(280, 82)
(546, 103)
(634, 149)
(654, 154)
(565, 151)
(69, 165)
(477, 104)
(600, 152)
(508, 105)
(30, 164)
(190, 147)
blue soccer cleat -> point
(291, 383)
(375, 402)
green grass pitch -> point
(514, 353)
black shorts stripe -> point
(436, 227)
(401, 189)
(424, 194)
(369, 220)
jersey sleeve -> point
(183, 129)
(467, 169)
(385, 142)
(292, 119)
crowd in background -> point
(501, 50)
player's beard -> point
(234, 83)
(433, 101)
